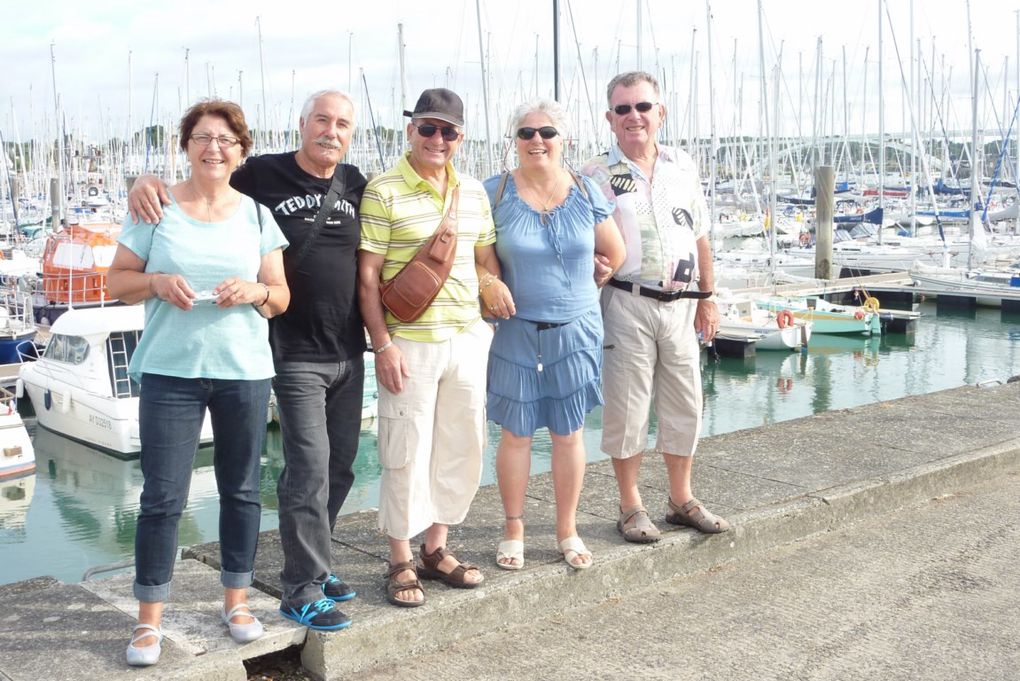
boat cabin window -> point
(70, 349)
(120, 346)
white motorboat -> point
(80, 387)
(778, 331)
(988, 287)
(17, 457)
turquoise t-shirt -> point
(205, 341)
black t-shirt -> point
(323, 322)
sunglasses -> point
(642, 107)
(546, 131)
(428, 130)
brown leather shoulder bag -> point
(408, 294)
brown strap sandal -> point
(694, 514)
(429, 569)
(393, 587)
(635, 526)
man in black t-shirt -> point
(318, 345)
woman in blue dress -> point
(545, 359)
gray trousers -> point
(320, 420)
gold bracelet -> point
(266, 299)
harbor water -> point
(79, 509)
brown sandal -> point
(635, 526)
(429, 569)
(393, 587)
(694, 514)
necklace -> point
(208, 202)
(534, 193)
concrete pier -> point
(776, 484)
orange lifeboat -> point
(75, 262)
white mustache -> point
(327, 142)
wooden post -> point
(825, 188)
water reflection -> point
(80, 508)
(15, 499)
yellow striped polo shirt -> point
(401, 211)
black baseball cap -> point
(441, 104)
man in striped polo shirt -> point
(432, 370)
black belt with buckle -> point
(657, 294)
(545, 326)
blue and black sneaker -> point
(321, 615)
(336, 590)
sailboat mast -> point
(556, 50)
(263, 123)
(974, 179)
(713, 142)
(58, 205)
(637, 47)
(913, 138)
(881, 123)
(485, 89)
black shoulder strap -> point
(336, 190)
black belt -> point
(656, 294)
(545, 326)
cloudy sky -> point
(121, 63)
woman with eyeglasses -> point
(211, 274)
(544, 363)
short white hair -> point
(310, 102)
(550, 107)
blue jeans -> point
(320, 420)
(170, 414)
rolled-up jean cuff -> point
(158, 593)
(236, 580)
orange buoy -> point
(784, 319)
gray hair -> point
(551, 108)
(310, 102)
(630, 79)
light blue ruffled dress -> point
(545, 362)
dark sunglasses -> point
(546, 131)
(428, 130)
(642, 107)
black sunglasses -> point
(546, 131)
(428, 130)
(624, 109)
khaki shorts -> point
(432, 434)
(651, 351)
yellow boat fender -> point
(871, 304)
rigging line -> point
(998, 163)
(988, 91)
(580, 62)
(375, 128)
(913, 126)
(941, 120)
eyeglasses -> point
(428, 130)
(204, 140)
(642, 107)
(546, 131)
